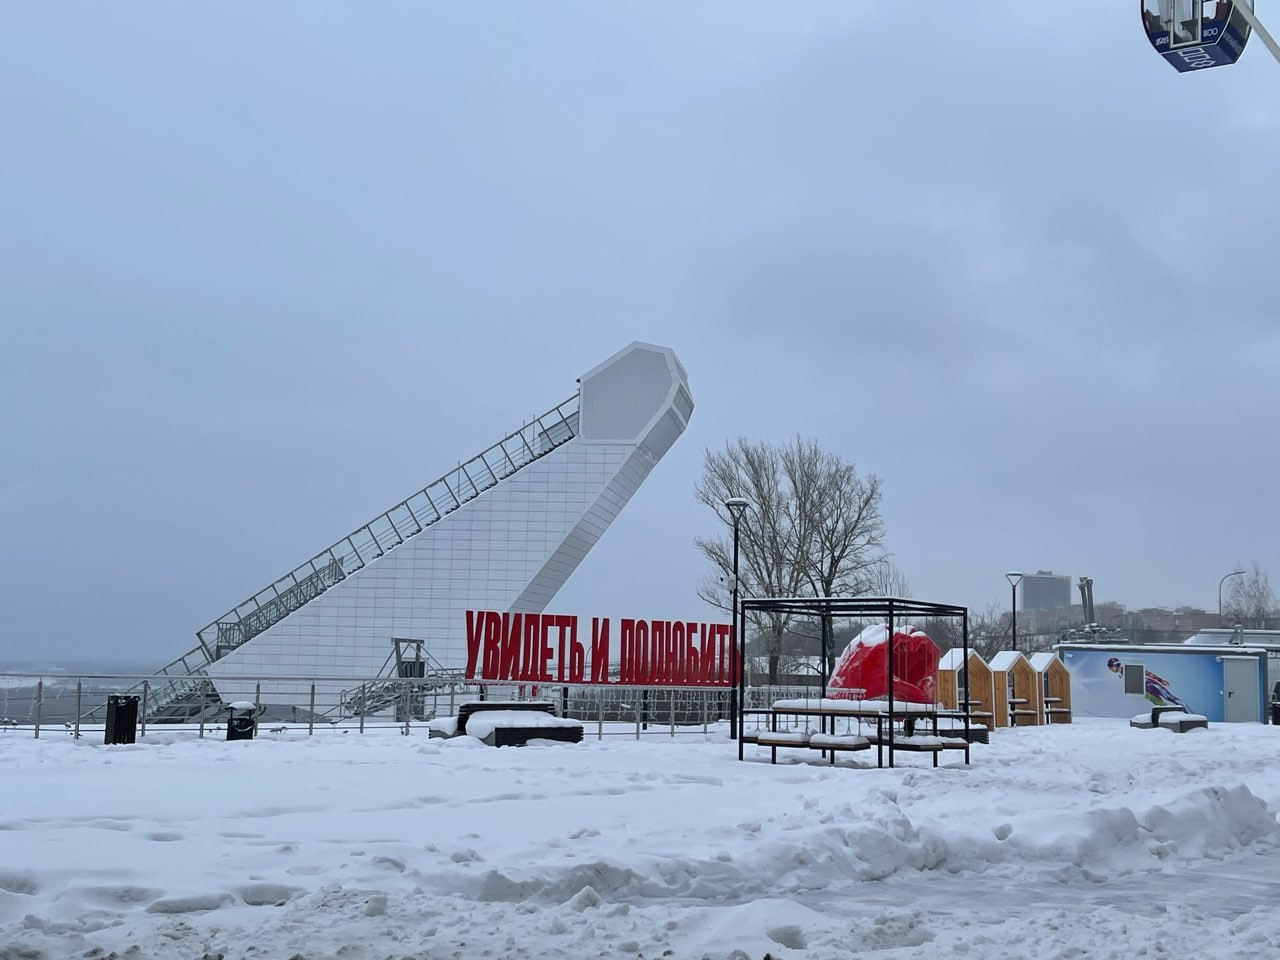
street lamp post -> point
(1014, 579)
(736, 506)
(1233, 573)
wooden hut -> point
(1016, 700)
(1053, 687)
(981, 692)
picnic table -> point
(830, 711)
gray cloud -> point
(266, 270)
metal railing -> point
(72, 704)
(233, 633)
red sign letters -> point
(548, 648)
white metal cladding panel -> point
(515, 545)
(585, 533)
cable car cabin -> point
(1194, 34)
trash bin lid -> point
(243, 705)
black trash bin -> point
(240, 722)
(122, 719)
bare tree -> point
(839, 531)
(946, 632)
(814, 527)
(990, 631)
(753, 471)
(1251, 602)
(885, 580)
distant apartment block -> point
(1045, 590)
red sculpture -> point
(862, 671)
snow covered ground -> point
(1089, 840)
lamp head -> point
(736, 506)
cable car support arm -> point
(1252, 19)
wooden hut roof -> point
(1006, 660)
(1040, 662)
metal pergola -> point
(891, 609)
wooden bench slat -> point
(906, 743)
(772, 739)
(827, 741)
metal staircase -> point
(405, 689)
(173, 687)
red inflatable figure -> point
(862, 672)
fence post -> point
(146, 691)
(39, 704)
(673, 711)
(702, 695)
(600, 715)
(203, 701)
(77, 727)
(311, 716)
(638, 717)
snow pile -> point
(443, 726)
(872, 636)
(877, 634)
(1117, 842)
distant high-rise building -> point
(1045, 590)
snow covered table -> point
(467, 710)
(515, 728)
(1176, 719)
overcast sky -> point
(266, 269)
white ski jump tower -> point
(503, 531)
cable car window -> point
(1151, 16)
(1186, 21)
(1214, 20)
(1238, 22)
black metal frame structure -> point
(822, 608)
